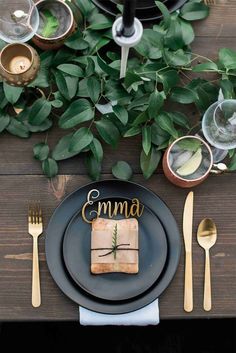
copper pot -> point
(69, 25)
(175, 178)
(19, 64)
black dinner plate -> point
(143, 14)
(115, 286)
(62, 216)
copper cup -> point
(68, 26)
(19, 64)
(178, 180)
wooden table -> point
(21, 180)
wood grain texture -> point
(16, 247)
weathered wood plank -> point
(215, 198)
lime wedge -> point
(191, 165)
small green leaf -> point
(180, 119)
(146, 139)
(61, 150)
(94, 88)
(227, 89)
(193, 11)
(56, 103)
(149, 162)
(108, 131)
(50, 167)
(121, 113)
(50, 22)
(189, 144)
(227, 58)
(169, 79)
(90, 68)
(78, 112)
(100, 21)
(17, 128)
(39, 111)
(232, 165)
(12, 93)
(85, 6)
(96, 149)
(133, 131)
(76, 41)
(183, 95)
(80, 139)
(122, 170)
(71, 69)
(107, 69)
(176, 58)
(93, 167)
(4, 121)
(141, 118)
(166, 124)
(156, 101)
(205, 67)
(165, 12)
(41, 151)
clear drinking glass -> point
(219, 124)
(19, 20)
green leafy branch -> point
(82, 93)
(114, 241)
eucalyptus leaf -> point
(122, 170)
(155, 103)
(4, 121)
(39, 111)
(61, 150)
(93, 167)
(193, 11)
(149, 163)
(12, 93)
(133, 131)
(78, 112)
(166, 124)
(50, 167)
(121, 113)
(17, 128)
(80, 139)
(108, 131)
(183, 95)
(94, 88)
(146, 139)
(97, 150)
(71, 69)
(41, 151)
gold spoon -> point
(206, 237)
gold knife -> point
(187, 233)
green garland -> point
(84, 96)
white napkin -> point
(149, 315)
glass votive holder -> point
(19, 64)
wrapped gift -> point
(114, 246)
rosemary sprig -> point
(114, 241)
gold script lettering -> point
(105, 207)
(92, 195)
(136, 209)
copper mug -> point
(19, 64)
(188, 181)
(67, 28)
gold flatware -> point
(35, 228)
(187, 233)
(206, 236)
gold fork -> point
(35, 228)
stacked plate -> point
(68, 245)
(146, 10)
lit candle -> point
(128, 18)
(19, 64)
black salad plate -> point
(115, 286)
(70, 206)
(147, 12)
